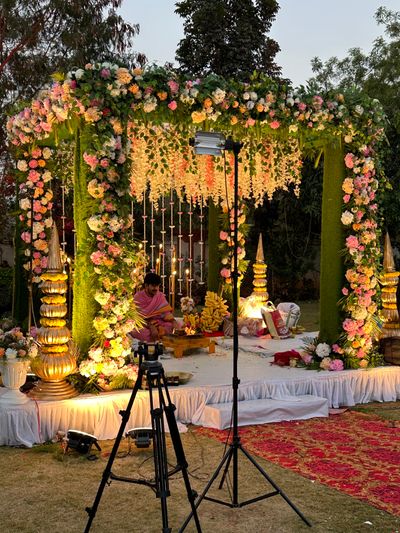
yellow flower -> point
(198, 116)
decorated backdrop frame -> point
(113, 113)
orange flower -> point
(260, 108)
(42, 163)
(133, 88)
(235, 104)
(137, 71)
(242, 109)
(355, 344)
(198, 116)
(234, 120)
(207, 103)
(162, 95)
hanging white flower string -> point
(201, 242)
(152, 245)
(63, 217)
(162, 246)
(180, 258)
(190, 258)
(172, 272)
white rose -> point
(290, 101)
(11, 353)
(79, 73)
(246, 96)
(347, 218)
(323, 350)
(22, 165)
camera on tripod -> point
(149, 351)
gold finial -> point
(54, 263)
(388, 258)
(260, 251)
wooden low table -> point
(180, 343)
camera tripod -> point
(154, 373)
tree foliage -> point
(228, 37)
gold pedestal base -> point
(53, 390)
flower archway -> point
(131, 130)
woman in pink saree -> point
(155, 309)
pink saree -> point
(154, 309)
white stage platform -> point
(37, 422)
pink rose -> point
(352, 242)
(173, 105)
(348, 161)
(223, 235)
(173, 85)
(275, 124)
(336, 365)
(346, 198)
(33, 163)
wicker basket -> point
(390, 347)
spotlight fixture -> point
(141, 436)
(80, 441)
(206, 142)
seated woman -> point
(155, 309)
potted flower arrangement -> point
(15, 355)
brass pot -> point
(53, 366)
(54, 287)
(53, 310)
(53, 335)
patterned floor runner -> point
(356, 453)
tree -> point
(378, 75)
(227, 37)
(39, 37)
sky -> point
(303, 28)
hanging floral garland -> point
(272, 122)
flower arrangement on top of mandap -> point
(209, 320)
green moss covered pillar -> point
(84, 284)
(213, 279)
(332, 271)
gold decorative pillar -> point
(260, 292)
(389, 282)
(54, 361)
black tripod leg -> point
(181, 460)
(107, 471)
(276, 487)
(225, 472)
(226, 457)
(159, 452)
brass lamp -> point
(260, 292)
(389, 282)
(54, 361)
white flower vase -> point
(13, 373)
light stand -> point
(213, 144)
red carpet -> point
(356, 453)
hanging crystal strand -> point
(63, 243)
(152, 245)
(172, 272)
(190, 258)
(162, 246)
(201, 242)
(180, 258)
(144, 217)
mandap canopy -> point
(127, 131)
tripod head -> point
(149, 353)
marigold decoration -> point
(165, 109)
